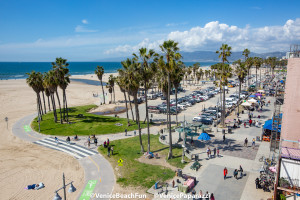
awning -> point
(204, 136)
(268, 125)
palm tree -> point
(100, 72)
(50, 83)
(147, 73)
(47, 92)
(224, 52)
(249, 64)
(35, 81)
(170, 49)
(272, 62)
(246, 53)
(134, 79)
(111, 87)
(257, 63)
(241, 72)
(196, 66)
(126, 64)
(121, 82)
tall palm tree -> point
(224, 52)
(241, 72)
(126, 64)
(121, 82)
(48, 95)
(50, 83)
(257, 63)
(246, 53)
(100, 72)
(111, 87)
(170, 49)
(196, 67)
(272, 62)
(134, 80)
(147, 72)
(35, 81)
(249, 64)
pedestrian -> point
(212, 196)
(257, 183)
(206, 196)
(215, 150)
(238, 114)
(207, 151)
(252, 115)
(246, 142)
(218, 152)
(112, 150)
(108, 151)
(125, 132)
(96, 141)
(244, 124)
(56, 140)
(241, 171)
(134, 132)
(250, 122)
(257, 124)
(104, 144)
(223, 137)
(258, 116)
(107, 143)
(253, 143)
(235, 173)
(225, 171)
(173, 183)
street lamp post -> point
(71, 189)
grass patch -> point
(87, 125)
(134, 173)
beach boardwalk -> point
(71, 148)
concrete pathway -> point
(95, 166)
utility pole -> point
(64, 186)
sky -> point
(98, 29)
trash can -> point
(229, 130)
(223, 131)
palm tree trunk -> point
(111, 99)
(102, 91)
(66, 104)
(147, 117)
(114, 94)
(54, 107)
(138, 121)
(223, 110)
(38, 109)
(256, 77)
(240, 86)
(249, 77)
(131, 107)
(49, 103)
(44, 102)
(169, 114)
(41, 107)
(176, 106)
(126, 107)
(59, 106)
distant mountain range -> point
(208, 56)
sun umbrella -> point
(261, 91)
(186, 129)
(246, 104)
(258, 94)
(252, 95)
(204, 136)
(192, 134)
(252, 101)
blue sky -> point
(97, 29)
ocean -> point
(18, 70)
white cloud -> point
(213, 34)
(82, 29)
(84, 21)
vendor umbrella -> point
(246, 104)
(258, 94)
(252, 95)
(204, 136)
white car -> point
(197, 118)
(181, 106)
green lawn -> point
(87, 125)
(134, 173)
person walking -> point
(241, 171)
(218, 152)
(250, 122)
(108, 151)
(96, 141)
(257, 183)
(225, 171)
(235, 174)
(89, 141)
(56, 140)
(125, 131)
(246, 142)
(173, 183)
(244, 124)
(253, 143)
(107, 143)
(215, 150)
(112, 150)
(207, 152)
(212, 197)
(224, 138)
(134, 132)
